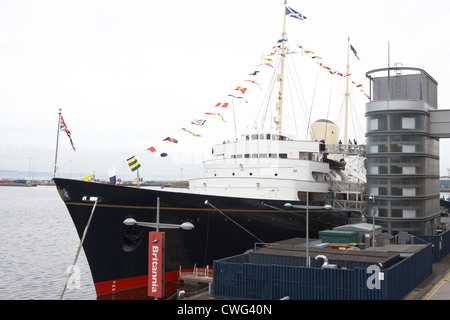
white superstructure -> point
(266, 166)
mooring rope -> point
(210, 204)
(79, 249)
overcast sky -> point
(128, 74)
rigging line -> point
(303, 103)
(360, 130)
(300, 214)
(206, 241)
(212, 206)
(328, 112)
(356, 123)
(312, 103)
(269, 92)
(352, 114)
(352, 119)
(340, 116)
(79, 249)
(234, 115)
(265, 102)
(290, 73)
(292, 103)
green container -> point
(337, 236)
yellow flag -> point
(87, 177)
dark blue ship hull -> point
(118, 254)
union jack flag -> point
(63, 127)
(198, 122)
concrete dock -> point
(436, 286)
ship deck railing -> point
(347, 186)
(204, 275)
(348, 205)
(346, 149)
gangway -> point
(199, 275)
(345, 149)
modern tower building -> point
(403, 131)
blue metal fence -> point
(406, 275)
(236, 278)
(440, 243)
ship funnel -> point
(325, 130)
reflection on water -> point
(39, 243)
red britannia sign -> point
(156, 264)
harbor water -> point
(38, 244)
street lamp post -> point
(288, 205)
(372, 197)
(307, 230)
(157, 226)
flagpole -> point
(138, 178)
(346, 93)
(57, 142)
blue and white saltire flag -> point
(294, 14)
(354, 51)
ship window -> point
(239, 156)
(272, 155)
(263, 155)
(305, 156)
(276, 174)
(283, 155)
(250, 174)
(261, 136)
(254, 137)
(247, 137)
(246, 155)
(254, 155)
(232, 174)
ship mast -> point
(280, 78)
(346, 93)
